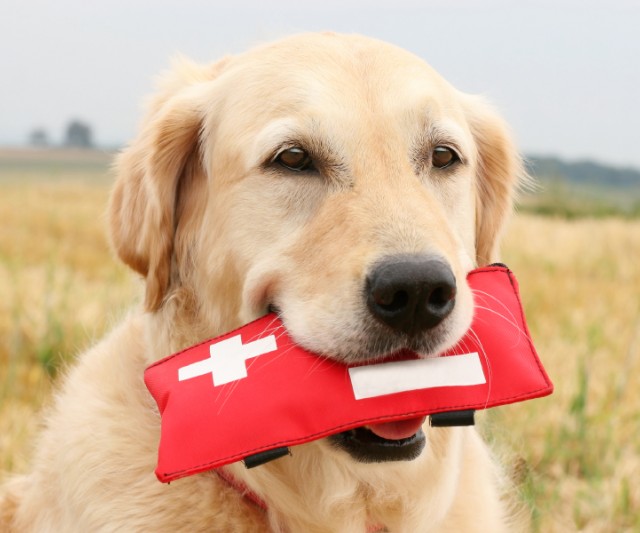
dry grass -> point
(576, 453)
(581, 287)
(60, 287)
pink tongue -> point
(401, 429)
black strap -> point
(261, 458)
(452, 418)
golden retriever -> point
(316, 176)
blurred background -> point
(565, 75)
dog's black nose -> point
(411, 293)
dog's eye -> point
(295, 159)
(443, 157)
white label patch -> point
(400, 376)
(227, 361)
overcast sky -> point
(565, 74)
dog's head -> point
(337, 180)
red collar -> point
(256, 500)
(242, 488)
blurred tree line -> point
(78, 134)
(583, 172)
(582, 188)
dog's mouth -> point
(402, 440)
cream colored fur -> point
(219, 231)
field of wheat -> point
(575, 455)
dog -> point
(340, 182)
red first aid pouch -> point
(254, 391)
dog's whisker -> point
(488, 362)
(497, 300)
(520, 332)
(268, 327)
(511, 321)
(319, 362)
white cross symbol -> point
(227, 359)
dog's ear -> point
(150, 175)
(500, 171)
